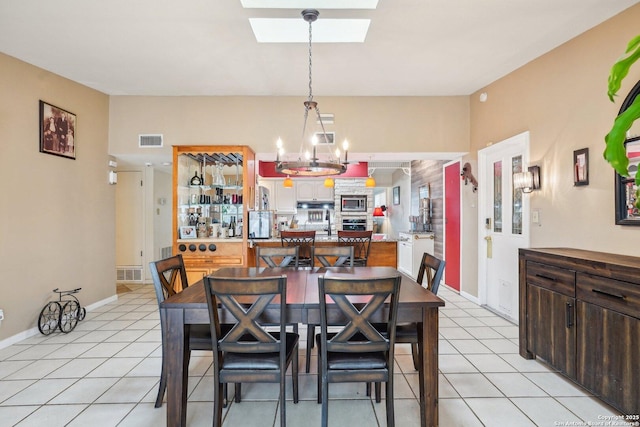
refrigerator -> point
(260, 224)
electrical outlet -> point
(535, 216)
(1, 314)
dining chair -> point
(409, 333)
(170, 277)
(304, 240)
(361, 242)
(343, 257)
(277, 256)
(248, 353)
(358, 352)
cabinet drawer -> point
(623, 297)
(547, 276)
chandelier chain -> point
(310, 65)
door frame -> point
(444, 226)
(522, 139)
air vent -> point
(128, 274)
(147, 141)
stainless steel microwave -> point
(357, 203)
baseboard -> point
(470, 297)
(34, 331)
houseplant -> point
(615, 152)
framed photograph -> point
(57, 131)
(581, 167)
(626, 189)
(188, 232)
(396, 195)
(330, 137)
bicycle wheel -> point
(49, 318)
(82, 312)
(69, 316)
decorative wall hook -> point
(468, 176)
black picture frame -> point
(57, 131)
(581, 167)
(396, 195)
(625, 187)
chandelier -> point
(308, 163)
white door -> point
(504, 223)
(129, 224)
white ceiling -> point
(207, 47)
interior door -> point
(452, 225)
(129, 223)
(504, 224)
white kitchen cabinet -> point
(281, 199)
(313, 189)
(411, 247)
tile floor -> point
(105, 373)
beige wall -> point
(375, 124)
(56, 215)
(561, 99)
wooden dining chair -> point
(277, 256)
(342, 256)
(249, 353)
(359, 352)
(304, 240)
(170, 277)
(361, 242)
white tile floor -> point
(105, 373)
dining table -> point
(188, 307)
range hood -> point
(315, 204)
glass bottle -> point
(196, 179)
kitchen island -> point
(383, 253)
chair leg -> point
(225, 399)
(368, 389)
(163, 382)
(416, 356)
(294, 376)
(389, 402)
(238, 392)
(325, 403)
(217, 402)
(311, 331)
(378, 392)
(283, 400)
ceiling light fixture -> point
(309, 164)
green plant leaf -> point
(621, 68)
(615, 152)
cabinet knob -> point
(192, 247)
(202, 247)
(212, 247)
(182, 247)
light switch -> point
(535, 216)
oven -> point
(354, 224)
(357, 203)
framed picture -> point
(396, 195)
(57, 131)
(625, 187)
(581, 167)
(188, 232)
(325, 138)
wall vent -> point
(146, 141)
(129, 274)
(165, 252)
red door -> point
(452, 225)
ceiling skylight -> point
(281, 30)
(310, 4)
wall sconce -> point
(379, 211)
(527, 181)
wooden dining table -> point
(416, 304)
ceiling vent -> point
(149, 141)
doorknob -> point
(487, 238)
(489, 246)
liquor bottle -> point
(196, 179)
(232, 229)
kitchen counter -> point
(382, 253)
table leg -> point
(429, 389)
(177, 369)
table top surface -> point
(302, 285)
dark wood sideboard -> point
(580, 312)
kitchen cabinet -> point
(580, 312)
(312, 190)
(411, 247)
(281, 199)
(212, 188)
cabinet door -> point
(305, 190)
(608, 354)
(405, 257)
(285, 197)
(323, 193)
(551, 326)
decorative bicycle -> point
(63, 314)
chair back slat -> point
(246, 299)
(359, 334)
(361, 242)
(342, 256)
(433, 268)
(277, 256)
(304, 240)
